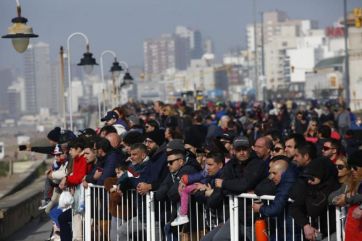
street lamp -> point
(87, 62)
(116, 70)
(19, 32)
(127, 80)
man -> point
(241, 174)
(291, 143)
(283, 178)
(138, 160)
(331, 149)
(168, 189)
(316, 181)
(156, 170)
(107, 158)
(300, 124)
(111, 119)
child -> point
(50, 183)
(200, 181)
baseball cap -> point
(110, 115)
(241, 142)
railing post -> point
(338, 224)
(236, 218)
(231, 218)
(150, 216)
(87, 215)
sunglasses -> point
(170, 162)
(354, 167)
(327, 148)
(340, 166)
(277, 149)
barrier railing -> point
(286, 230)
(142, 218)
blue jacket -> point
(276, 207)
(203, 178)
(109, 165)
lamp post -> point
(127, 81)
(116, 70)
(19, 32)
(346, 57)
(87, 61)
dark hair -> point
(133, 137)
(336, 144)
(307, 148)
(104, 144)
(90, 142)
(275, 134)
(175, 133)
(76, 143)
(108, 129)
(139, 146)
(176, 152)
(298, 139)
(325, 131)
(218, 157)
(280, 157)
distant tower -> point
(208, 46)
(195, 40)
(169, 51)
(38, 78)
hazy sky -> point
(122, 25)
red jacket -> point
(79, 171)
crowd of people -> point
(310, 156)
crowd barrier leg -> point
(87, 215)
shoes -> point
(43, 204)
(181, 219)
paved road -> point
(37, 230)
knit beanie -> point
(54, 134)
(157, 136)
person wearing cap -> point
(152, 125)
(54, 176)
(156, 170)
(317, 179)
(241, 174)
(112, 119)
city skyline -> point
(123, 26)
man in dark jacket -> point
(241, 174)
(318, 178)
(168, 189)
(284, 177)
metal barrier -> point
(143, 219)
(245, 201)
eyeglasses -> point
(327, 148)
(170, 162)
(340, 166)
(277, 149)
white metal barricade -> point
(243, 202)
(144, 219)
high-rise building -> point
(169, 51)
(6, 78)
(39, 83)
(195, 40)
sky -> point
(123, 25)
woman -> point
(350, 194)
(311, 134)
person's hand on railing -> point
(257, 206)
(309, 232)
(143, 188)
(119, 191)
(218, 182)
(85, 183)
